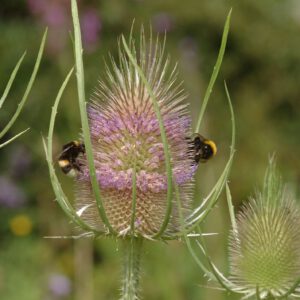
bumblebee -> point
(68, 159)
(203, 149)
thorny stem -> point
(131, 276)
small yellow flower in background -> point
(20, 225)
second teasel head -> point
(264, 248)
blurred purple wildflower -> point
(59, 285)
(20, 161)
(91, 27)
(36, 6)
(189, 47)
(56, 15)
(163, 22)
(11, 195)
(189, 50)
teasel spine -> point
(131, 277)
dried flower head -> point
(264, 249)
(126, 138)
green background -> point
(262, 70)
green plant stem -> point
(131, 277)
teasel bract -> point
(136, 178)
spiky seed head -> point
(265, 248)
(125, 135)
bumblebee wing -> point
(61, 154)
(200, 136)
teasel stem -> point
(131, 276)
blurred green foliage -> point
(262, 70)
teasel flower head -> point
(126, 139)
(135, 179)
(265, 245)
(136, 176)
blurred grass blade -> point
(215, 71)
(11, 80)
(28, 88)
(13, 138)
(83, 115)
(163, 138)
(60, 196)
